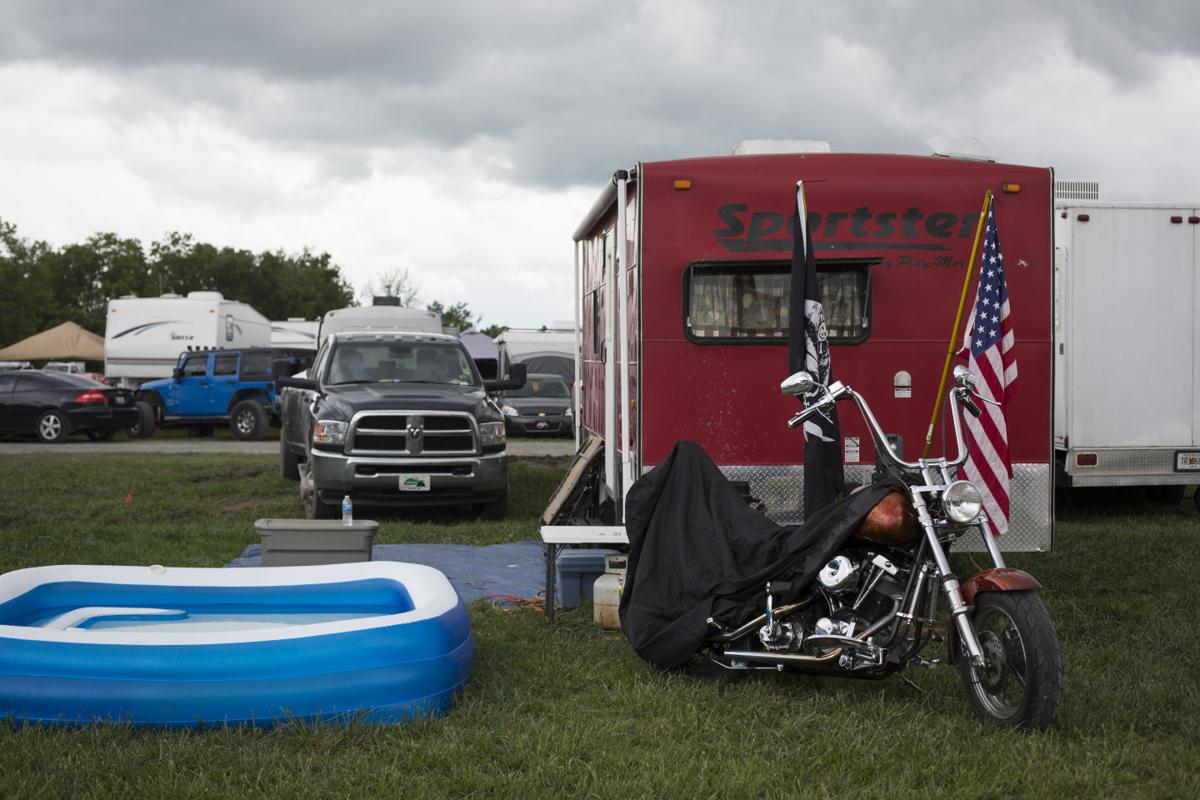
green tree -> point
(455, 316)
(493, 330)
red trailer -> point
(691, 259)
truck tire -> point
(53, 426)
(247, 420)
(289, 462)
(144, 427)
(496, 509)
(314, 508)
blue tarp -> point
(516, 568)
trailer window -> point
(750, 303)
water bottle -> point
(347, 511)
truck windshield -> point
(401, 362)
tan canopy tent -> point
(66, 342)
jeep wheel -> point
(248, 420)
(496, 509)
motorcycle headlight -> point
(962, 502)
(329, 431)
(491, 434)
(509, 411)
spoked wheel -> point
(1020, 683)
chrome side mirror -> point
(798, 384)
(963, 377)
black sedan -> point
(53, 405)
(543, 405)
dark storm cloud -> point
(569, 91)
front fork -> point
(959, 611)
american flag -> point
(993, 362)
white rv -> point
(143, 336)
(385, 314)
(549, 351)
(1127, 315)
(295, 333)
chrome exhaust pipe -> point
(777, 659)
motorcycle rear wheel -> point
(1020, 684)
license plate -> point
(1188, 461)
(414, 483)
(541, 425)
(120, 400)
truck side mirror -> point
(515, 380)
(281, 368)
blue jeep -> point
(213, 387)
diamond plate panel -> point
(781, 488)
(1130, 466)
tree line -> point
(42, 286)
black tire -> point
(248, 420)
(314, 508)
(496, 509)
(1165, 495)
(1021, 683)
(144, 427)
(53, 427)
(101, 436)
(289, 462)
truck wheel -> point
(52, 426)
(144, 427)
(496, 509)
(248, 420)
(314, 508)
(289, 462)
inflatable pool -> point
(377, 641)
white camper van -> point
(144, 336)
(295, 333)
(1127, 315)
(384, 314)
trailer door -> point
(1133, 328)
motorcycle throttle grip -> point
(970, 405)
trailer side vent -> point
(1076, 190)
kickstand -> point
(910, 682)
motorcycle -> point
(874, 606)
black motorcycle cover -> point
(698, 551)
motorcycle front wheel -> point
(1020, 683)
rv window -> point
(196, 365)
(749, 303)
(225, 365)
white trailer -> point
(385, 314)
(295, 333)
(144, 336)
(1127, 316)
(558, 337)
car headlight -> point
(329, 431)
(569, 412)
(962, 502)
(509, 411)
(491, 434)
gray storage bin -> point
(576, 572)
(305, 542)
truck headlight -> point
(491, 434)
(329, 431)
(962, 502)
(509, 411)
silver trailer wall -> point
(1127, 409)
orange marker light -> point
(1011, 188)
(682, 185)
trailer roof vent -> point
(205, 296)
(385, 300)
(1077, 190)
(957, 145)
(758, 147)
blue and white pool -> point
(377, 641)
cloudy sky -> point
(464, 141)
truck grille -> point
(428, 434)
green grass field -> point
(568, 710)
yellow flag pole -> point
(962, 302)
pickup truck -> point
(395, 419)
(210, 387)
